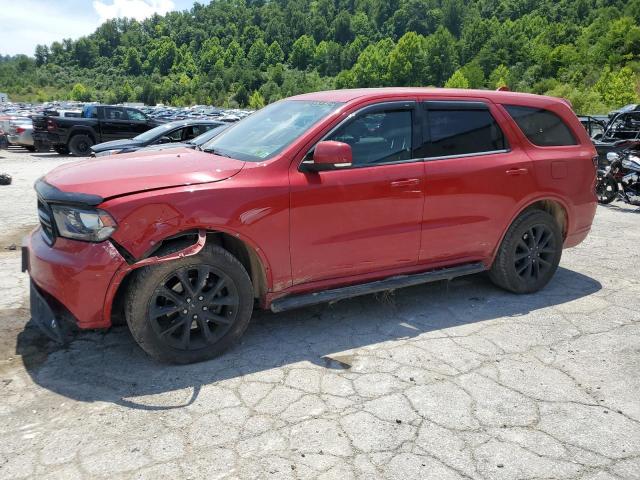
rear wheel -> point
(30, 148)
(529, 254)
(80, 145)
(191, 309)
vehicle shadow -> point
(110, 367)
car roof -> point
(348, 95)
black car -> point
(167, 133)
(98, 123)
(592, 125)
(194, 143)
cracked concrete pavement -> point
(441, 381)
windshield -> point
(208, 135)
(153, 133)
(270, 130)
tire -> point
(61, 149)
(529, 253)
(80, 145)
(30, 148)
(607, 190)
(157, 300)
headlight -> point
(108, 152)
(80, 224)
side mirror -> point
(329, 155)
(165, 139)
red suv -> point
(315, 198)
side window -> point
(377, 137)
(111, 113)
(135, 115)
(199, 130)
(90, 112)
(176, 135)
(542, 127)
(456, 130)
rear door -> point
(476, 173)
(115, 124)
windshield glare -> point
(270, 130)
(153, 133)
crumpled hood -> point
(115, 144)
(122, 174)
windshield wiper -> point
(216, 152)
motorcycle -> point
(620, 179)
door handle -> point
(405, 183)
(518, 171)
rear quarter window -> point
(542, 127)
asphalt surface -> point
(441, 381)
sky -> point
(27, 23)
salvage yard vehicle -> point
(99, 123)
(194, 143)
(21, 133)
(315, 198)
(620, 133)
(621, 178)
(172, 132)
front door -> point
(365, 218)
(475, 176)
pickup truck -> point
(98, 123)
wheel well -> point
(555, 209)
(245, 254)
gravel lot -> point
(441, 381)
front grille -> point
(46, 222)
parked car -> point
(99, 123)
(21, 133)
(172, 132)
(195, 143)
(592, 125)
(315, 198)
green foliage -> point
(617, 88)
(457, 80)
(238, 52)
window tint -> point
(542, 127)
(378, 137)
(460, 131)
(176, 135)
(135, 115)
(115, 114)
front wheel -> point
(606, 190)
(61, 149)
(529, 253)
(191, 309)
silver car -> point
(20, 132)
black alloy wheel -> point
(194, 306)
(535, 252)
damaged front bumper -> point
(56, 326)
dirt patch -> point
(21, 341)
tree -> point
(275, 54)
(132, 62)
(457, 80)
(407, 61)
(241, 96)
(441, 56)
(373, 64)
(256, 101)
(42, 54)
(498, 77)
(302, 52)
(80, 93)
(617, 88)
(85, 52)
(257, 53)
